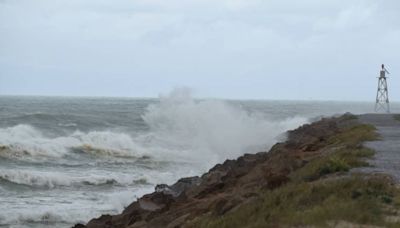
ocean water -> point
(67, 160)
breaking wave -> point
(53, 180)
(22, 141)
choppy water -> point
(66, 160)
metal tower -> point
(382, 96)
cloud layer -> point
(228, 48)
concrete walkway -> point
(387, 157)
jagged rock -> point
(179, 187)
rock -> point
(79, 226)
(179, 187)
(225, 186)
(104, 221)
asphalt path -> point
(387, 148)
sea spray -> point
(210, 131)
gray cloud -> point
(229, 48)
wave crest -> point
(26, 142)
(53, 180)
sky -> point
(239, 49)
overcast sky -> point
(263, 49)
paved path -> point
(387, 157)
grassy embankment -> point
(323, 193)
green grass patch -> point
(333, 165)
(355, 135)
(343, 152)
(339, 161)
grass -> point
(319, 194)
(354, 136)
(355, 199)
(397, 117)
(349, 116)
(345, 151)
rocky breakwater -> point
(228, 186)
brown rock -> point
(226, 186)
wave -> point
(53, 179)
(39, 116)
(108, 143)
(63, 212)
(47, 218)
(67, 124)
(50, 216)
(25, 142)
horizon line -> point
(194, 97)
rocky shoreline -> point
(228, 186)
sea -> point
(65, 160)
